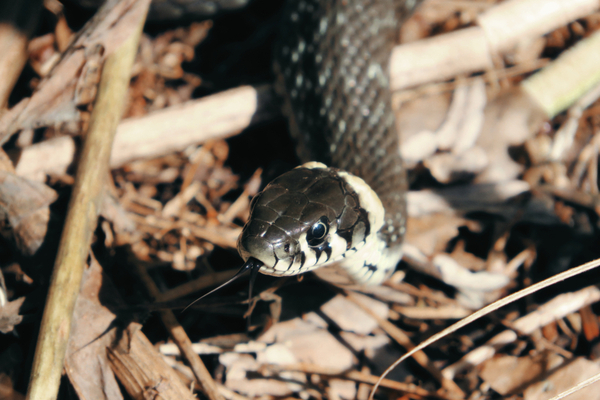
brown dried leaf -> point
(450, 167)
(349, 317)
(509, 375)
(9, 315)
(431, 233)
(509, 120)
(24, 205)
(310, 344)
(86, 362)
(240, 366)
(7, 391)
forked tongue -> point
(252, 264)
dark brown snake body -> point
(332, 68)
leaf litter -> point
(496, 204)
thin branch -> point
(81, 220)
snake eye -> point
(318, 232)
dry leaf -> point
(510, 375)
(93, 331)
(24, 205)
(9, 315)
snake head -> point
(309, 217)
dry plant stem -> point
(568, 78)
(356, 376)
(555, 309)
(242, 203)
(81, 220)
(472, 49)
(440, 312)
(401, 338)
(182, 340)
(413, 291)
(565, 136)
(489, 309)
(172, 129)
(185, 344)
(230, 394)
(577, 387)
(387, 383)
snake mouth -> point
(277, 259)
(260, 249)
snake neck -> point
(332, 68)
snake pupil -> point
(317, 233)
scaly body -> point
(332, 69)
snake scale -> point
(345, 208)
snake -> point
(344, 209)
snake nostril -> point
(284, 251)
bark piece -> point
(143, 372)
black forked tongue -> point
(252, 264)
